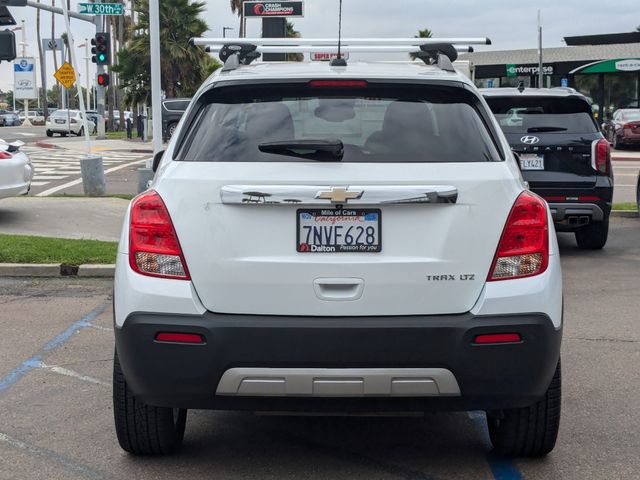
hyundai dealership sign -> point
(273, 9)
(24, 79)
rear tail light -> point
(523, 250)
(630, 126)
(5, 155)
(154, 249)
(601, 156)
(73, 120)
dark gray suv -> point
(172, 110)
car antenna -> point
(339, 61)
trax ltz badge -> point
(339, 195)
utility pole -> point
(540, 76)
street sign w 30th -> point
(100, 8)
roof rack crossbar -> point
(327, 49)
(333, 42)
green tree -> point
(293, 33)
(183, 66)
(426, 33)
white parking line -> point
(71, 373)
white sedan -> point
(16, 170)
(67, 122)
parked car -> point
(16, 170)
(623, 128)
(562, 154)
(340, 240)
(35, 117)
(66, 122)
(172, 111)
(9, 119)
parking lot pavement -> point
(55, 398)
(83, 218)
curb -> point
(624, 213)
(56, 270)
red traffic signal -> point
(103, 79)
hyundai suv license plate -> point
(329, 230)
(531, 161)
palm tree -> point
(426, 33)
(43, 74)
(183, 66)
(293, 33)
(236, 7)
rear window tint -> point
(528, 114)
(376, 123)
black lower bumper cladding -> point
(490, 376)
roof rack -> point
(433, 51)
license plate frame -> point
(531, 161)
(60, 121)
(326, 247)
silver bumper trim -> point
(338, 382)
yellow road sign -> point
(66, 75)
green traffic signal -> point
(101, 49)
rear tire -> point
(616, 143)
(141, 428)
(49, 133)
(593, 236)
(529, 431)
(80, 132)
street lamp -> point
(224, 31)
(86, 59)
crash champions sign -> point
(273, 9)
(24, 79)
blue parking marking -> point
(14, 375)
(502, 468)
(34, 362)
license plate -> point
(59, 121)
(531, 161)
(329, 230)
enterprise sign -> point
(273, 9)
(524, 70)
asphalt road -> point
(56, 353)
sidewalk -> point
(97, 146)
(81, 218)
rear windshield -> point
(542, 114)
(374, 123)
(631, 116)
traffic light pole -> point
(100, 93)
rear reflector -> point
(523, 250)
(338, 83)
(154, 249)
(498, 338)
(177, 337)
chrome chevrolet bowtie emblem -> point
(339, 195)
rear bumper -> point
(465, 376)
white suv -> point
(338, 239)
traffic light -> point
(101, 49)
(7, 45)
(103, 79)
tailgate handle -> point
(338, 289)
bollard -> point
(145, 175)
(93, 181)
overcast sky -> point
(510, 24)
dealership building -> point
(605, 68)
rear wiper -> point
(545, 129)
(320, 150)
